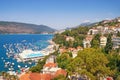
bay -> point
(11, 40)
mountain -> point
(85, 24)
(17, 27)
(112, 22)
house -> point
(51, 59)
(69, 38)
(100, 28)
(50, 71)
(118, 19)
(50, 68)
(71, 49)
(53, 70)
(50, 65)
(92, 31)
(25, 76)
(79, 48)
(116, 42)
(105, 21)
(103, 41)
(35, 76)
(39, 76)
(87, 40)
(74, 51)
(62, 50)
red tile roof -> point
(79, 47)
(109, 78)
(35, 76)
(46, 77)
(89, 37)
(71, 49)
(25, 77)
(38, 76)
(50, 65)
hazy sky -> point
(58, 14)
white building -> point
(86, 44)
(86, 41)
(92, 31)
(69, 38)
(103, 41)
(116, 42)
(51, 59)
(31, 55)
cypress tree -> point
(109, 44)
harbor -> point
(29, 54)
(11, 59)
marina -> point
(15, 47)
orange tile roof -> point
(45, 77)
(35, 76)
(25, 77)
(38, 76)
(50, 65)
(71, 49)
(79, 47)
(60, 72)
(89, 37)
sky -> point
(58, 14)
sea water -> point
(32, 41)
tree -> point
(118, 77)
(91, 63)
(39, 65)
(77, 33)
(109, 44)
(95, 43)
(118, 33)
(114, 63)
(63, 60)
(60, 77)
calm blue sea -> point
(25, 39)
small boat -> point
(13, 63)
(6, 65)
(19, 66)
(25, 66)
(1, 57)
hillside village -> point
(83, 53)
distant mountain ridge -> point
(17, 27)
(111, 22)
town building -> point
(69, 38)
(116, 42)
(50, 70)
(103, 41)
(51, 59)
(30, 55)
(93, 31)
(74, 51)
(62, 50)
(87, 40)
